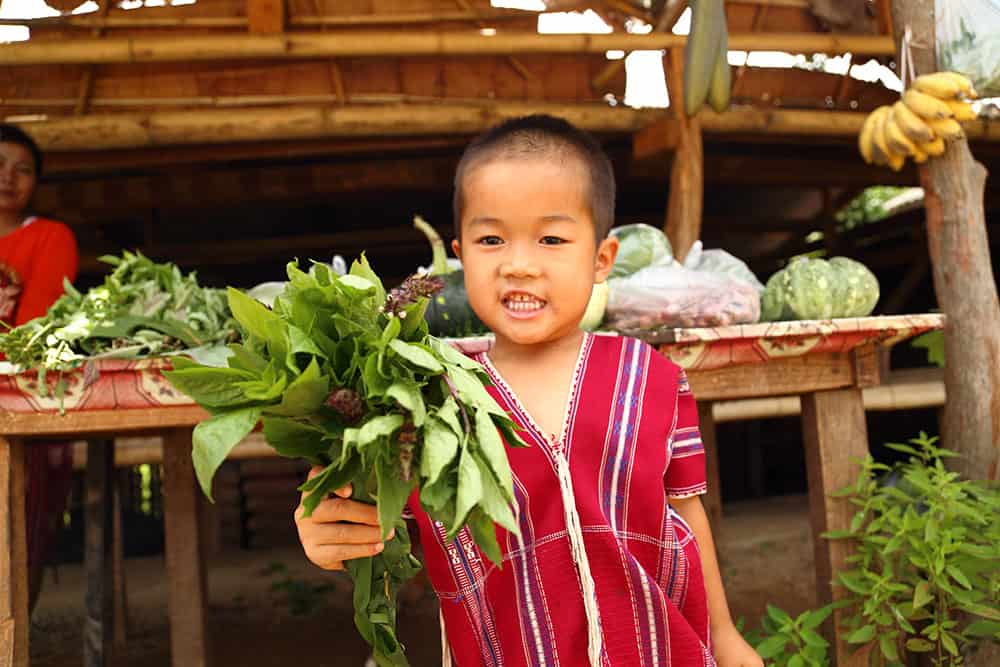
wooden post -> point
(13, 555)
(119, 589)
(266, 16)
(713, 498)
(954, 186)
(98, 506)
(687, 178)
(185, 567)
(835, 436)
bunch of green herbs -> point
(345, 376)
(924, 576)
(142, 309)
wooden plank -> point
(96, 422)
(185, 568)
(266, 16)
(713, 497)
(98, 510)
(687, 177)
(835, 436)
(14, 617)
(778, 377)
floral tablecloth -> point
(123, 385)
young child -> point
(605, 570)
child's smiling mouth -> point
(522, 304)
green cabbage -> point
(639, 246)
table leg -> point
(713, 497)
(120, 595)
(14, 616)
(98, 508)
(185, 567)
(836, 437)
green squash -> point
(448, 312)
(857, 289)
(819, 289)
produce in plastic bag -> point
(671, 295)
(720, 262)
(968, 41)
(639, 246)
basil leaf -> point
(295, 439)
(470, 488)
(407, 394)
(361, 268)
(381, 426)
(211, 387)
(485, 535)
(305, 394)
(440, 447)
(493, 453)
(215, 437)
(417, 356)
(252, 314)
(393, 492)
(493, 501)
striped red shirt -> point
(631, 441)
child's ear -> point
(605, 260)
(456, 248)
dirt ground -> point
(765, 549)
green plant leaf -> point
(959, 576)
(381, 426)
(211, 387)
(815, 618)
(470, 487)
(919, 645)
(416, 356)
(215, 437)
(493, 502)
(812, 638)
(484, 533)
(493, 453)
(983, 628)
(393, 491)
(295, 439)
(305, 394)
(887, 644)
(772, 646)
(440, 447)
(407, 394)
(921, 594)
(862, 635)
(796, 661)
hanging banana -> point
(928, 115)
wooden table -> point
(126, 398)
(826, 363)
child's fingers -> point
(347, 533)
(332, 557)
(344, 491)
(334, 510)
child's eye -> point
(490, 240)
(552, 240)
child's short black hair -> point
(12, 134)
(542, 135)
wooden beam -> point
(359, 44)
(659, 137)
(687, 176)
(14, 618)
(98, 503)
(266, 17)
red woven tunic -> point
(631, 425)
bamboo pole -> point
(231, 125)
(85, 22)
(386, 44)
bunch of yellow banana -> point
(706, 65)
(920, 123)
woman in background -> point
(36, 255)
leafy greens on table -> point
(345, 376)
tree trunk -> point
(963, 278)
(966, 289)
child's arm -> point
(730, 649)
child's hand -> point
(731, 650)
(339, 529)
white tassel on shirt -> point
(594, 638)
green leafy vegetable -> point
(344, 375)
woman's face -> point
(17, 177)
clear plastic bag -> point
(668, 296)
(721, 263)
(968, 41)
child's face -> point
(528, 248)
(17, 177)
